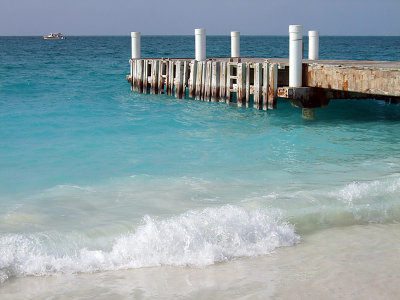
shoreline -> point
(355, 262)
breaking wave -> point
(195, 238)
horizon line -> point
(128, 35)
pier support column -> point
(295, 55)
(200, 44)
(313, 44)
(135, 39)
(235, 44)
(192, 79)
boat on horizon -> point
(54, 36)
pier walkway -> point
(258, 82)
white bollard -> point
(235, 44)
(200, 44)
(313, 44)
(295, 55)
(135, 38)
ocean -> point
(107, 193)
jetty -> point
(259, 82)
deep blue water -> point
(86, 164)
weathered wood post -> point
(154, 76)
(133, 73)
(161, 79)
(185, 77)
(235, 44)
(139, 75)
(192, 79)
(295, 55)
(229, 81)
(199, 80)
(200, 44)
(222, 82)
(241, 83)
(215, 81)
(171, 77)
(258, 75)
(248, 79)
(145, 76)
(204, 80)
(208, 82)
(272, 86)
(179, 80)
(265, 88)
(313, 44)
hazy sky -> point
(259, 17)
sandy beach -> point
(357, 262)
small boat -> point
(54, 36)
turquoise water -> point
(95, 177)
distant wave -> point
(195, 238)
(376, 201)
(356, 191)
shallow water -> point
(100, 181)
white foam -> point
(195, 238)
(357, 191)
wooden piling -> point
(139, 78)
(145, 76)
(222, 82)
(203, 86)
(241, 83)
(248, 74)
(134, 75)
(199, 80)
(151, 82)
(166, 76)
(258, 76)
(207, 84)
(170, 78)
(273, 86)
(154, 76)
(265, 87)
(229, 82)
(172, 71)
(192, 79)
(132, 72)
(185, 78)
(179, 80)
(215, 81)
(161, 77)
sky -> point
(181, 17)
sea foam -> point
(361, 191)
(195, 238)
